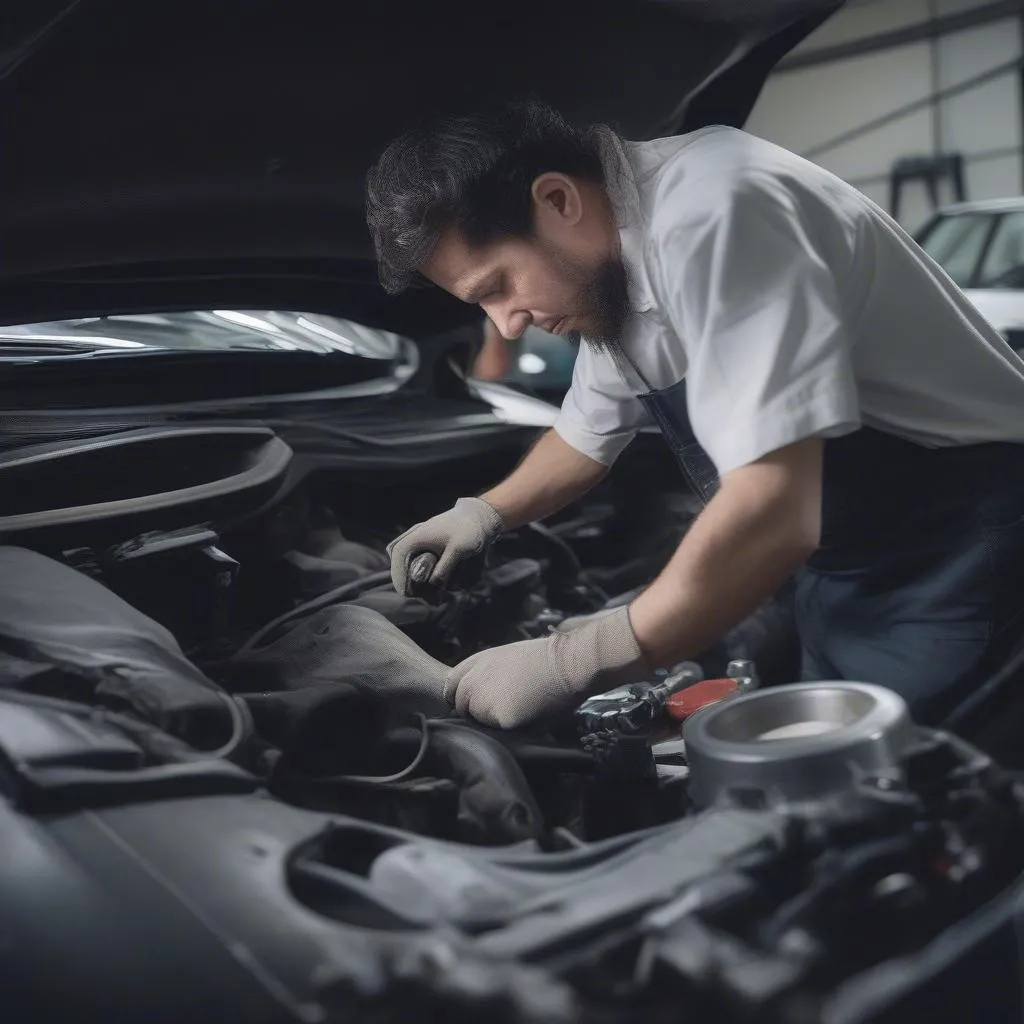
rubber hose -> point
(496, 804)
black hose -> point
(554, 540)
(565, 759)
(307, 608)
(496, 803)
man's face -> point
(568, 278)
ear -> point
(556, 197)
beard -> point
(603, 304)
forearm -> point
(552, 475)
(752, 536)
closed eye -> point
(488, 291)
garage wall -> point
(859, 68)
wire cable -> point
(378, 780)
(242, 728)
(308, 607)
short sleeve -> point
(757, 307)
(600, 414)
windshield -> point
(979, 249)
(219, 330)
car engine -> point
(223, 714)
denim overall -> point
(918, 583)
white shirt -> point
(793, 306)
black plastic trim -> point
(273, 459)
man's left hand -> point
(511, 685)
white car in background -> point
(981, 246)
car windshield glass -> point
(955, 242)
(220, 330)
(1004, 260)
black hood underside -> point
(167, 141)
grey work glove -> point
(575, 621)
(511, 685)
(465, 530)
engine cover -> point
(178, 890)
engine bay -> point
(253, 678)
(290, 610)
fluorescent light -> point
(245, 320)
(325, 332)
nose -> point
(511, 323)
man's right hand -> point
(465, 530)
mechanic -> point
(844, 410)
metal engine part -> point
(788, 745)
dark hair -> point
(472, 173)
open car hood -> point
(156, 153)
